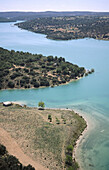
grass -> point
(39, 138)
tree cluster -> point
(67, 28)
(26, 70)
(9, 162)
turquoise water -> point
(89, 95)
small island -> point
(70, 27)
(26, 70)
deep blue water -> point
(89, 95)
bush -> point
(26, 70)
(50, 118)
(2, 149)
(36, 84)
(68, 160)
(44, 83)
(41, 104)
(14, 75)
(50, 58)
(9, 162)
(29, 167)
(57, 121)
(3, 165)
(70, 148)
(11, 84)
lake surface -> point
(89, 95)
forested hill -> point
(67, 28)
(33, 15)
(26, 70)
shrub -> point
(50, 58)
(14, 75)
(64, 120)
(11, 84)
(68, 160)
(70, 148)
(2, 149)
(36, 84)
(41, 104)
(26, 70)
(57, 121)
(44, 83)
(50, 118)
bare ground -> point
(14, 149)
(28, 135)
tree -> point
(10, 84)
(70, 148)
(2, 150)
(41, 105)
(50, 118)
(68, 160)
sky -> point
(54, 5)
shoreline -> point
(90, 125)
(40, 87)
(83, 137)
(54, 39)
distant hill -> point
(2, 19)
(32, 15)
(70, 27)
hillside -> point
(26, 70)
(49, 142)
(16, 15)
(67, 28)
(2, 19)
(10, 162)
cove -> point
(89, 95)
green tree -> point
(70, 148)
(50, 118)
(68, 160)
(41, 105)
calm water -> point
(89, 95)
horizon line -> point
(55, 11)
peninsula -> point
(48, 142)
(70, 27)
(26, 70)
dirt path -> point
(14, 149)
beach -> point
(83, 137)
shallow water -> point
(89, 95)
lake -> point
(89, 95)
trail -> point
(14, 149)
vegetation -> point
(32, 15)
(41, 104)
(50, 144)
(9, 162)
(73, 27)
(50, 118)
(26, 70)
(6, 20)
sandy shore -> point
(90, 125)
